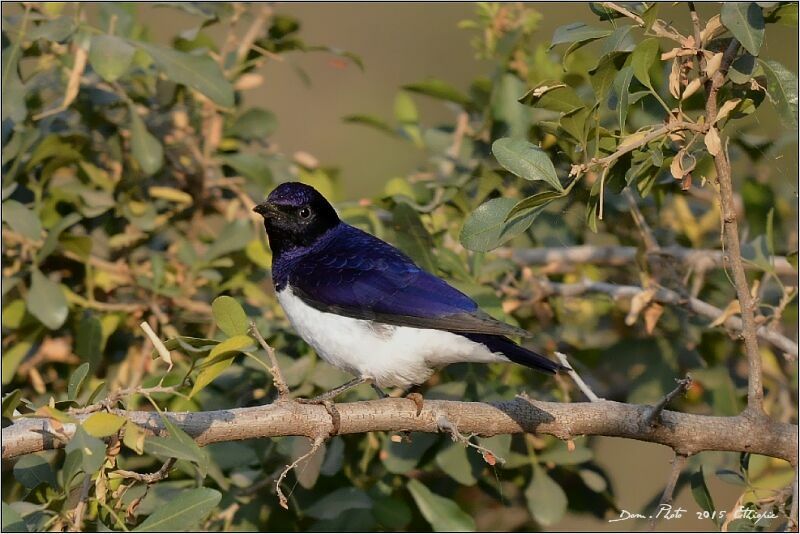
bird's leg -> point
(335, 392)
(382, 394)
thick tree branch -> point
(687, 434)
(559, 259)
(667, 296)
(730, 238)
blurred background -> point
(399, 43)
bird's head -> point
(296, 215)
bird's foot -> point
(330, 407)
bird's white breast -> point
(390, 355)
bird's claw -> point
(418, 401)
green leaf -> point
(746, 22)
(622, 84)
(233, 237)
(786, 14)
(46, 301)
(577, 32)
(701, 494)
(102, 424)
(574, 123)
(12, 357)
(90, 450)
(51, 241)
(782, 90)
(338, 501)
(454, 461)
(402, 457)
(198, 72)
(593, 480)
(220, 359)
(438, 89)
(22, 220)
(393, 514)
(405, 111)
(146, 149)
(371, 121)
(89, 340)
(32, 470)
(487, 227)
(182, 512)
(252, 166)
(10, 403)
(76, 380)
(110, 56)
(412, 236)
(525, 160)
(443, 514)
(554, 96)
(255, 123)
(546, 500)
(505, 106)
(12, 521)
(643, 57)
(534, 202)
(178, 444)
(13, 314)
(560, 455)
(230, 316)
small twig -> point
(252, 33)
(445, 425)
(80, 508)
(654, 417)
(583, 386)
(678, 463)
(648, 238)
(277, 376)
(318, 441)
(148, 478)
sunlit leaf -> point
(46, 301)
(526, 160)
(230, 316)
(746, 22)
(110, 56)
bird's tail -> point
(517, 354)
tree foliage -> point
(129, 171)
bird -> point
(367, 308)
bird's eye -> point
(304, 213)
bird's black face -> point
(295, 215)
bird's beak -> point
(266, 210)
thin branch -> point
(648, 238)
(666, 296)
(488, 455)
(316, 444)
(654, 418)
(678, 464)
(277, 376)
(256, 28)
(148, 478)
(730, 237)
(80, 508)
(560, 259)
(583, 386)
(624, 148)
(686, 433)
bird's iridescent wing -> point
(358, 275)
